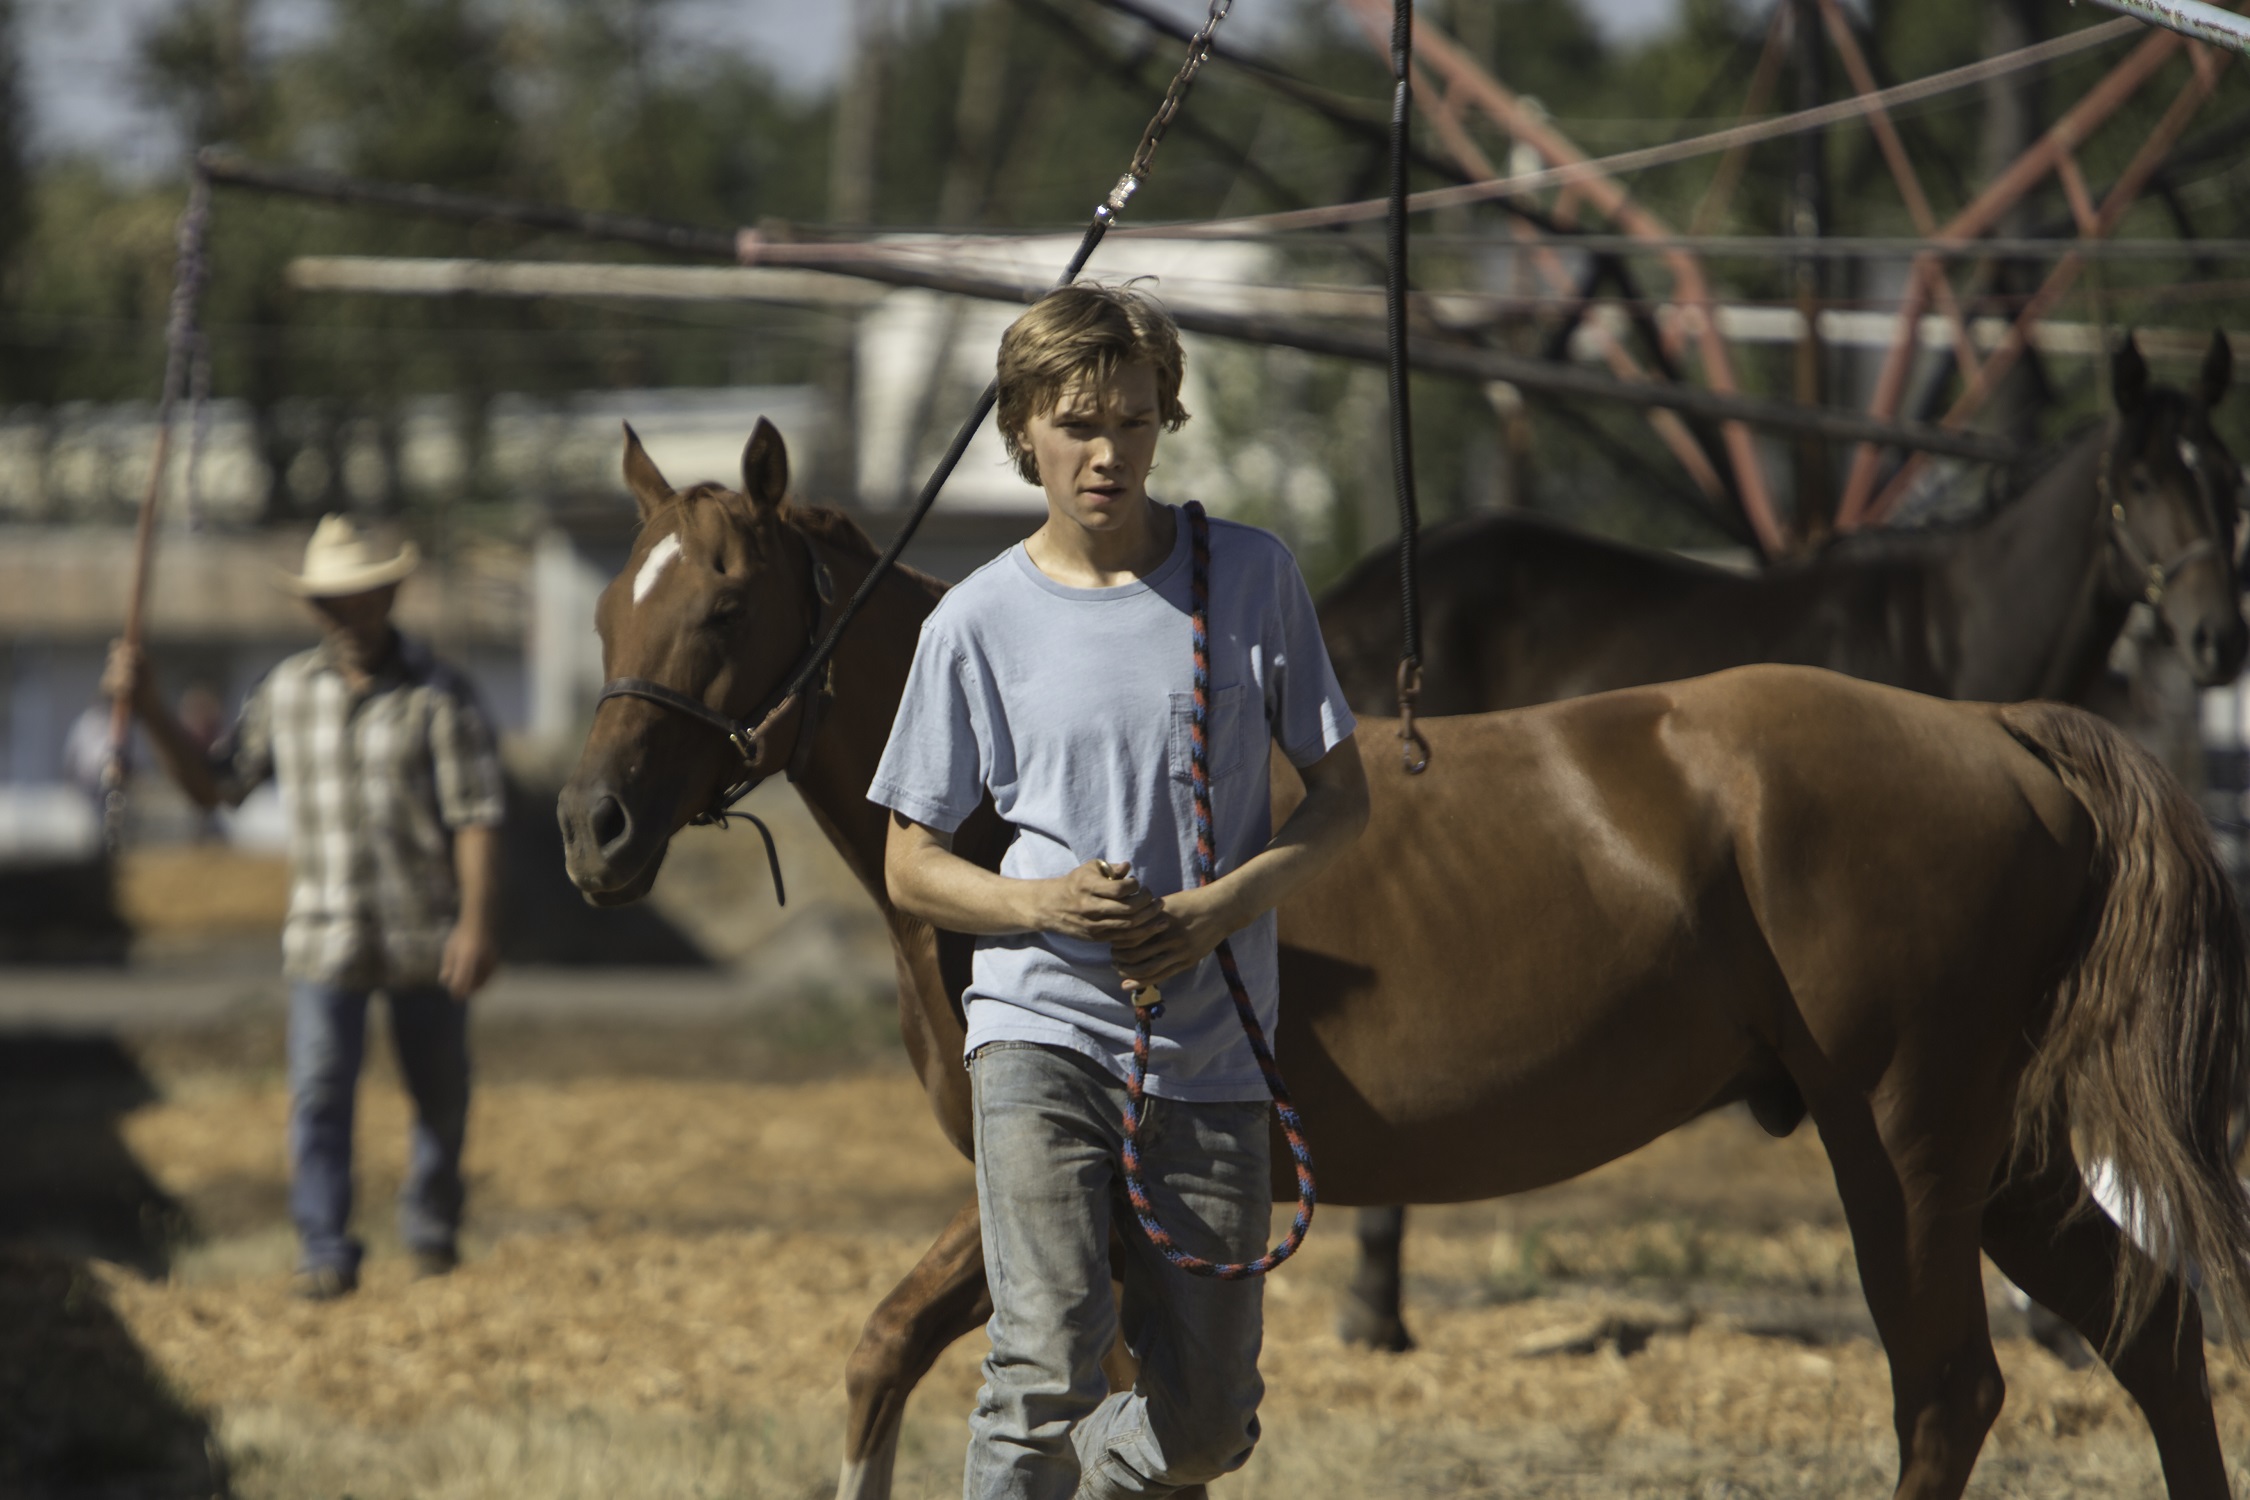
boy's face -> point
(1095, 448)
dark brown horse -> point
(2026, 604)
(2023, 605)
(1966, 939)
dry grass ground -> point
(666, 1272)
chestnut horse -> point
(1967, 940)
(2025, 604)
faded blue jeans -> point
(1049, 1185)
(327, 1042)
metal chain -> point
(1105, 213)
(1144, 155)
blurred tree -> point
(197, 61)
(993, 112)
(15, 194)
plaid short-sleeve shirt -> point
(372, 786)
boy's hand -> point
(1096, 903)
(1192, 924)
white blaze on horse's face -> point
(652, 567)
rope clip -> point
(1414, 750)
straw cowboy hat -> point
(341, 559)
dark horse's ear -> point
(765, 466)
(2128, 376)
(2218, 371)
(641, 476)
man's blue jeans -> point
(327, 1040)
(1050, 1185)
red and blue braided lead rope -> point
(1144, 1017)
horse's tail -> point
(2146, 1056)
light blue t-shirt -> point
(1072, 707)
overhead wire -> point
(1778, 128)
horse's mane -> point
(2002, 491)
(827, 524)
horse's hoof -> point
(1358, 1326)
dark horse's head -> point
(2173, 503)
(715, 603)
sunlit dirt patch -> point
(665, 1277)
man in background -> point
(392, 793)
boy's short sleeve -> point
(932, 770)
(1306, 708)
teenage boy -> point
(1058, 679)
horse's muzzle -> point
(610, 855)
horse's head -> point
(2172, 495)
(716, 604)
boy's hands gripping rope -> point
(1096, 903)
(1172, 935)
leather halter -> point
(788, 715)
(2156, 578)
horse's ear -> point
(765, 466)
(2128, 376)
(641, 476)
(2218, 371)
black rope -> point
(1416, 752)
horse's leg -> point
(1371, 1312)
(2068, 1267)
(941, 1299)
(1913, 1194)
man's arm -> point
(1324, 825)
(127, 676)
(926, 879)
(472, 950)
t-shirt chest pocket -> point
(1224, 732)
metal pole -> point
(1807, 219)
(179, 338)
(2190, 18)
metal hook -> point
(1415, 750)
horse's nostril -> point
(609, 824)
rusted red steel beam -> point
(1981, 215)
(1445, 118)
(1691, 289)
(1909, 181)
(1712, 206)
(2095, 223)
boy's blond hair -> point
(1082, 332)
